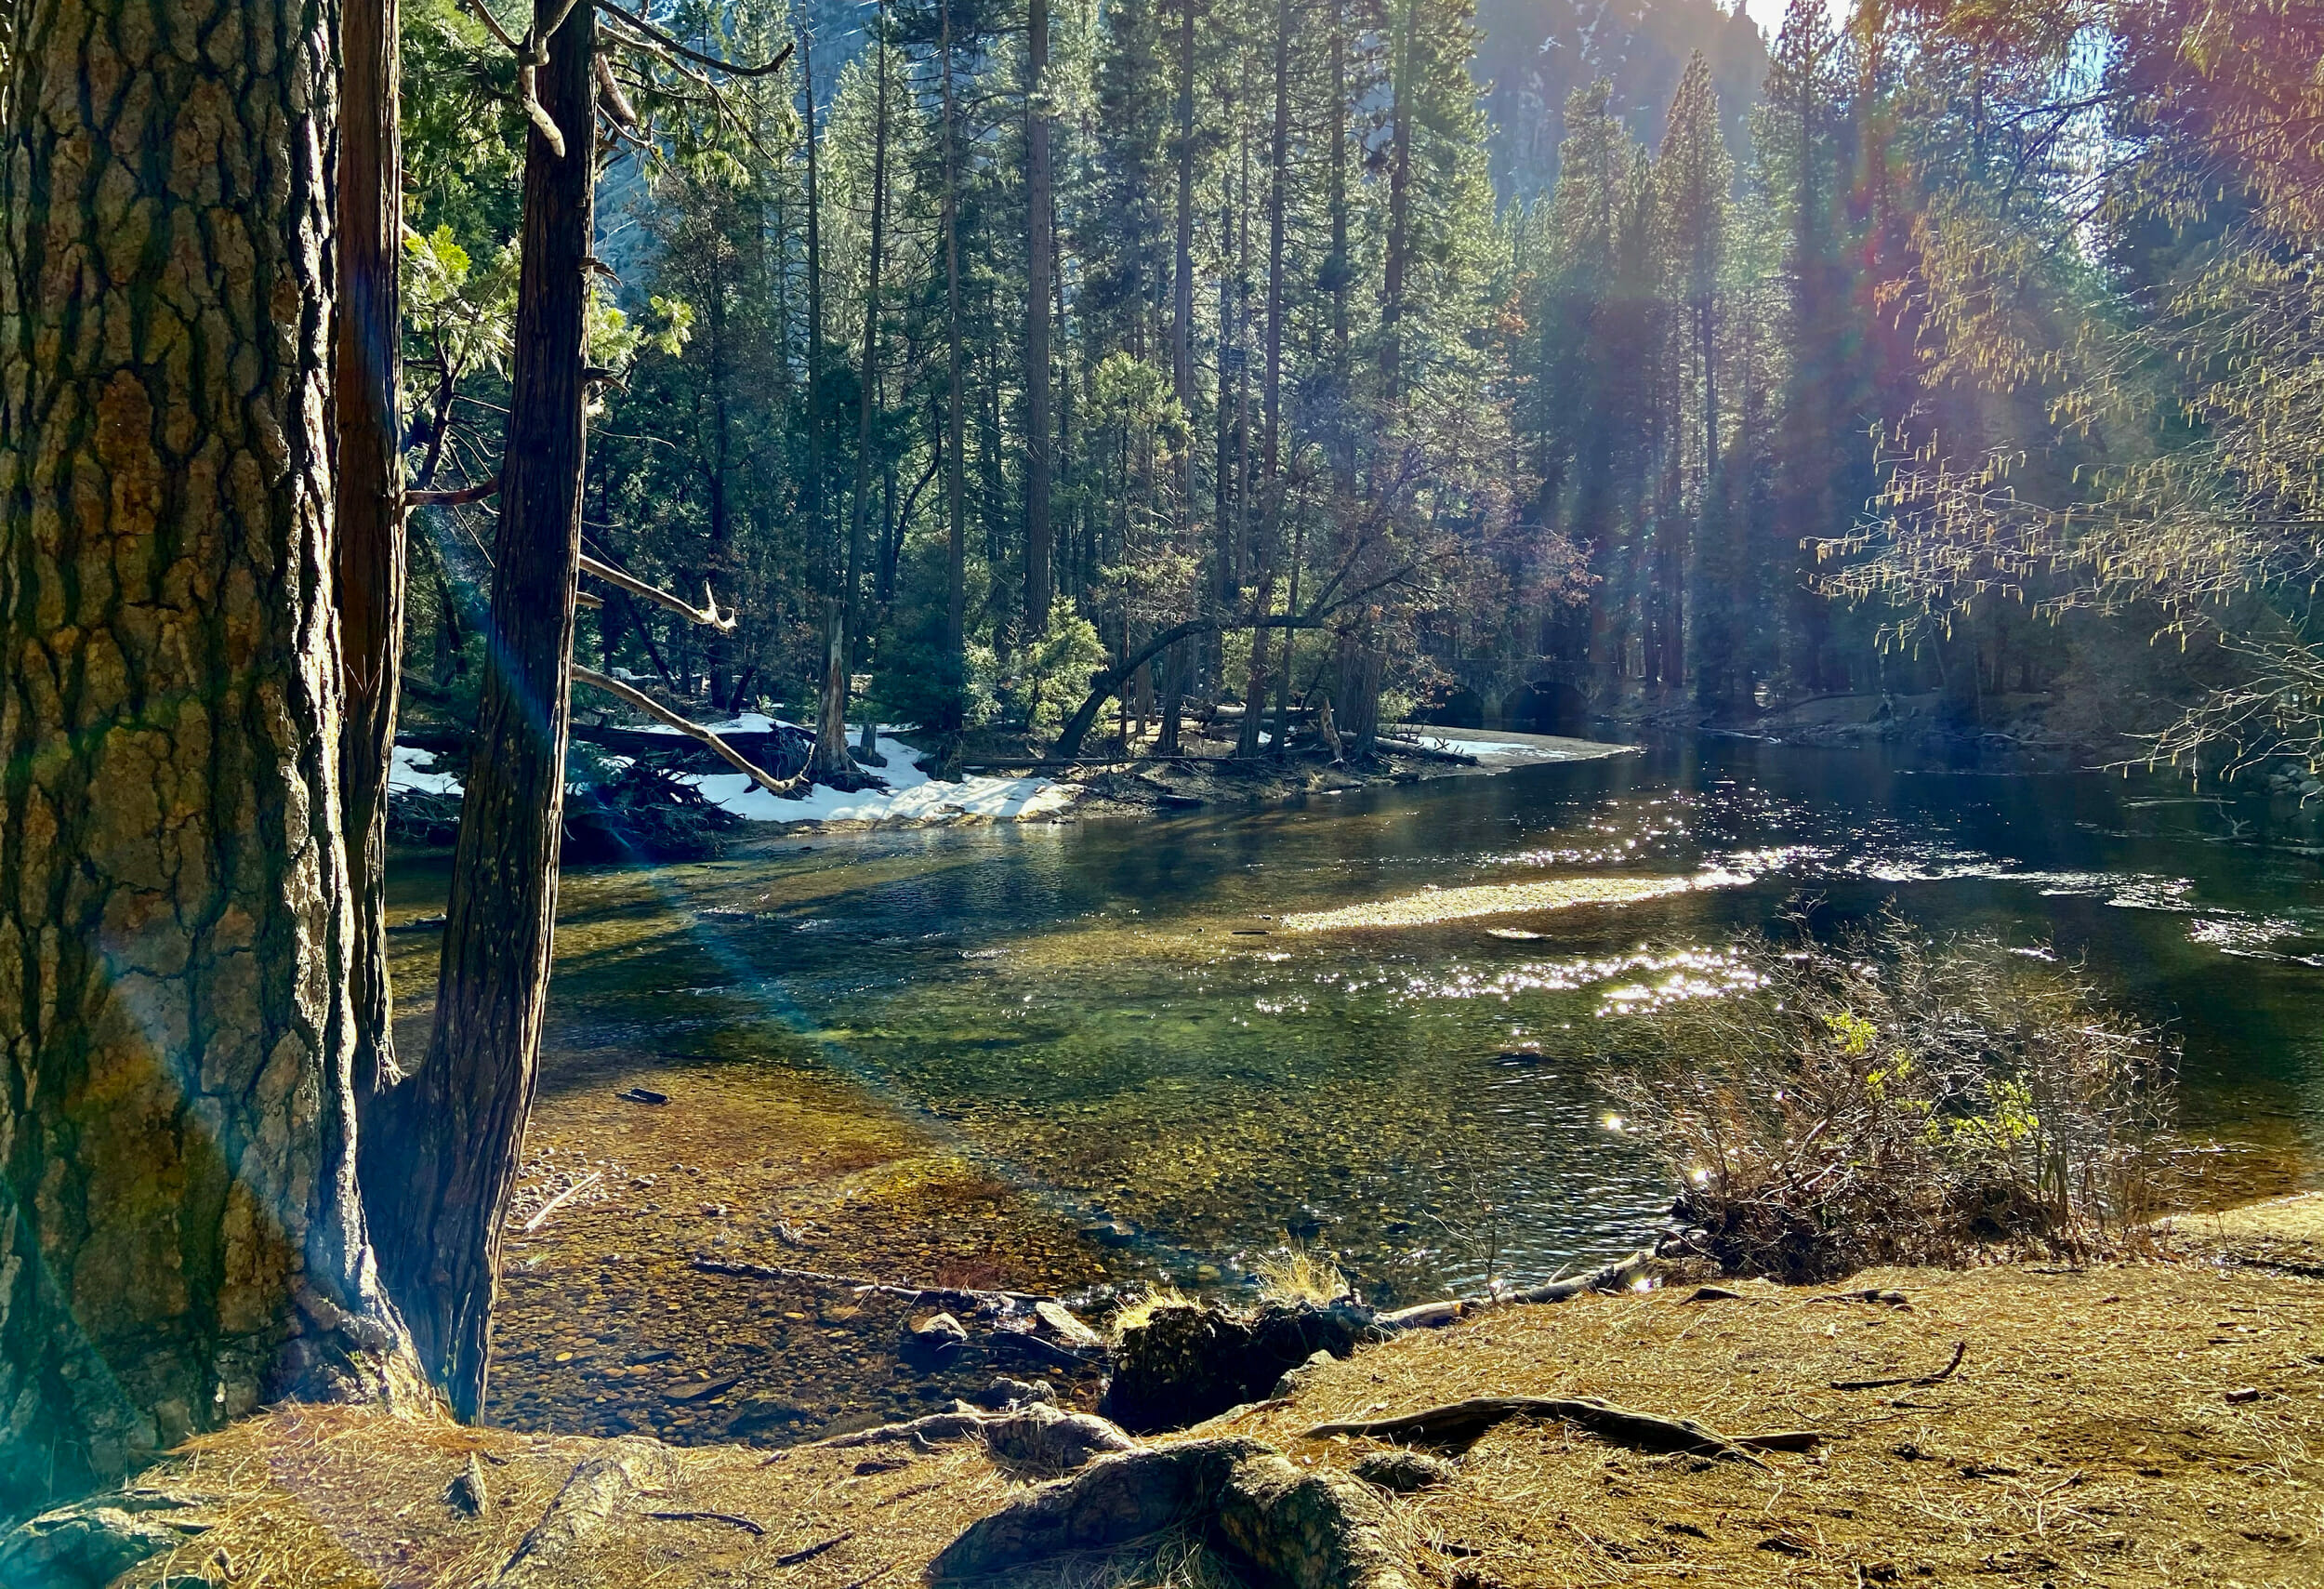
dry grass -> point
(2087, 1438)
(1296, 1275)
(1134, 1314)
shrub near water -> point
(1882, 1100)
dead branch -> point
(1462, 1423)
(540, 117)
(712, 61)
(708, 616)
(743, 1523)
(1960, 1350)
(452, 499)
(561, 1198)
(786, 789)
(493, 23)
(616, 104)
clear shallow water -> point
(1113, 1016)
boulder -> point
(466, 1494)
(1186, 1364)
(85, 1545)
(1291, 1530)
(1059, 1321)
(940, 1332)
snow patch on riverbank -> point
(911, 795)
(1513, 750)
(409, 770)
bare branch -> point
(712, 61)
(786, 789)
(476, 493)
(708, 616)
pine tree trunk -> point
(829, 761)
(1038, 463)
(867, 398)
(366, 398)
(456, 1127)
(957, 546)
(182, 1239)
(1399, 214)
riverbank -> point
(2154, 1423)
(1002, 784)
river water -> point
(1114, 1018)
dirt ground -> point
(2151, 1423)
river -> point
(1109, 1014)
(1113, 1024)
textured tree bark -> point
(455, 1127)
(180, 1237)
(366, 396)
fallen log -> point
(1425, 752)
(1463, 1422)
(1615, 1277)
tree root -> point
(1040, 1439)
(1463, 1422)
(583, 1510)
(1960, 1350)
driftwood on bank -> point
(583, 1510)
(1615, 1277)
(1462, 1422)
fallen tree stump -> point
(1291, 1530)
(1463, 1422)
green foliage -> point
(1057, 667)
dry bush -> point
(1879, 1100)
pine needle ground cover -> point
(2143, 1424)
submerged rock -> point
(1186, 1364)
(1004, 1394)
(936, 1335)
